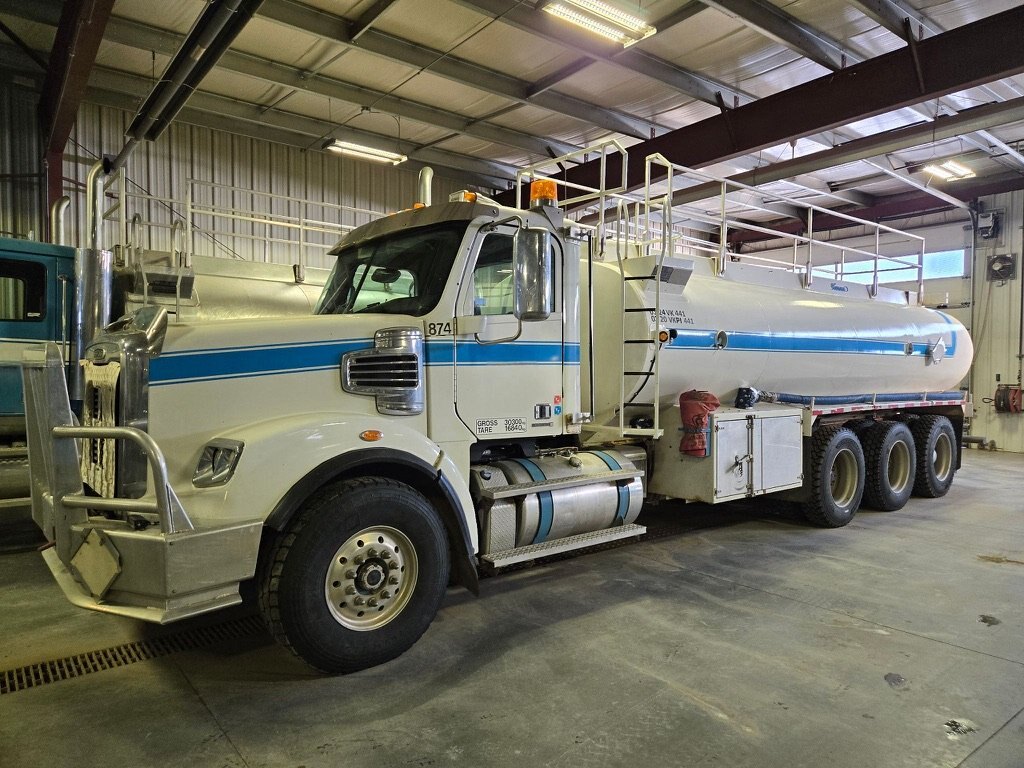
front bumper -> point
(143, 558)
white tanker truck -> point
(473, 390)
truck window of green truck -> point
(22, 290)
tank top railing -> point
(732, 222)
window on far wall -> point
(936, 265)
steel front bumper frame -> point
(160, 567)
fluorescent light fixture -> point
(363, 152)
(602, 19)
(938, 170)
(959, 170)
(949, 170)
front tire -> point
(835, 477)
(891, 462)
(358, 576)
(936, 455)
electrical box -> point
(751, 452)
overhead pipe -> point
(214, 31)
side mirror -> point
(534, 276)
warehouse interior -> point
(257, 133)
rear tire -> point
(835, 477)
(935, 441)
(891, 462)
(358, 576)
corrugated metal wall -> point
(21, 178)
(234, 172)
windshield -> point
(403, 273)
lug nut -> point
(393, 580)
(372, 602)
(371, 552)
(350, 590)
(350, 574)
(385, 594)
(385, 555)
(359, 601)
(359, 560)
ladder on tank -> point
(628, 395)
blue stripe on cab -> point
(249, 361)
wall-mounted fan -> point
(1002, 267)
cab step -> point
(558, 546)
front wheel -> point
(835, 477)
(358, 576)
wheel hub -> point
(371, 578)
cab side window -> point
(22, 290)
(492, 278)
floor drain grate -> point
(45, 672)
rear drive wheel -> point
(936, 455)
(835, 477)
(891, 462)
(358, 576)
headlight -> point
(217, 463)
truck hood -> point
(241, 348)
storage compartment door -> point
(780, 453)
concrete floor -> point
(745, 639)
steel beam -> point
(783, 28)
(987, 50)
(77, 40)
(369, 17)
(892, 14)
(867, 147)
(879, 163)
(340, 30)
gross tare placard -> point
(500, 426)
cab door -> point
(508, 375)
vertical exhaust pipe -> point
(426, 178)
(58, 212)
(94, 280)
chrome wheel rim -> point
(898, 467)
(942, 457)
(843, 478)
(371, 578)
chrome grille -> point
(392, 371)
(385, 371)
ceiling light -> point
(949, 170)
(363, 152)
(937, 170)
(602, 19)
(959, 170)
